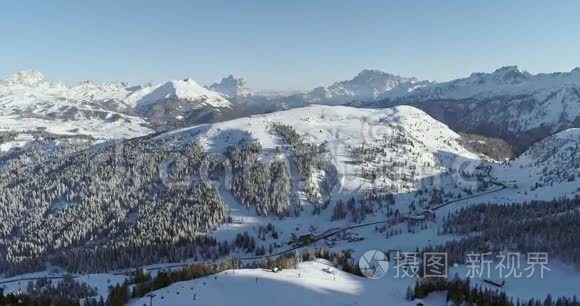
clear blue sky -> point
(295, 44)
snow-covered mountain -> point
(309, 284)
(178, 103)
(298, 160)
(232, 87)
(507, 103)
(368, 85)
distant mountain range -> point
(515, 105)
(368, 85)
(508, 103)
(30, 102)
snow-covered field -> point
(101, 281)
(306, 285)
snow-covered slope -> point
(515, 105)
(320, 154)
(398, 150)
(320, 124)
(29, 90)
(307, 285)
(232, 87)
(550, 167)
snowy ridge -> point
(186, 89)
(308, 284)
(366, 86)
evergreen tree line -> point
(460, 292)
(121, 195)
(43, 292)
(530, 227)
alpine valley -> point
(168, 193)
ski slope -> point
(306, 285)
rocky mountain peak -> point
(231, 86)
(27, 77)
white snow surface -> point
(30, 88)
(309, 284)
(336, 124)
